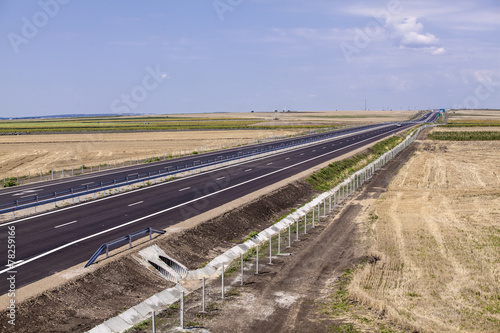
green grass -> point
(12, 181)
(336, 172)
(473, 123)
(465, 136)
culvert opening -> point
(174, 265)
(163, 272)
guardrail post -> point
(107, 251)
(130, 241)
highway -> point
(50, 242)
(30, 193)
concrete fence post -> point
(182, 309)
(289, 235)
(314, 210)
(257, 261)
(222, 289)
(242, 268)
(153, 319)
(279, 242)
(270, 250)
(297, 231)
(203, 295)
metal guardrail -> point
(35, 201)
(124, 239)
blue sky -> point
(68, 57)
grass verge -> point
(334, 173)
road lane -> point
(161, 205)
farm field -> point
(23, 153)
(474, 115)
(436, 241)
(32, 153)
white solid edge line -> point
(169, 209)
(62, 225)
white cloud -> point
(408, 33)
(438, 50)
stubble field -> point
(436, 240)
(34, 152)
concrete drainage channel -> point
(156, 259)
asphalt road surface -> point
(50, 242)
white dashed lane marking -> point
(62, 225)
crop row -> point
(465, 136)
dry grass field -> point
(436, 241)
(23, 153)
(324, 117)
(475, 114)
(32, 153)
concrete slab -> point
(143, 309)
(117, 324)
(155, 303)
(167, 297)
(101, 329)
(243, 247)
(179, 288)
(131, 316)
